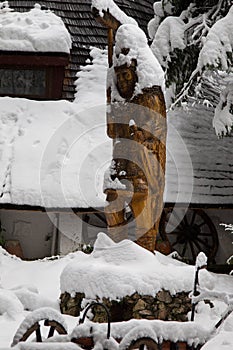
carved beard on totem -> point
(126, 77)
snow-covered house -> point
(49, 198)
(42, 49)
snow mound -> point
(32, 301)
(114, 270)
(37, 30)
(9, 303)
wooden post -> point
(110, 46)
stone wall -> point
(163, 306)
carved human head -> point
(126, 78)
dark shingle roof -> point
(199, 165)
(84, 29)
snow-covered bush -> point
(193, 42)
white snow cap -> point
(44, 313)
(148, 69)
(201, 260)
(105, 5)
(114, 270)
(37, 30)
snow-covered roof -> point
(199, 164)
(54, 153)
(51, 154)
(33, 31)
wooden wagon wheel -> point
(31, 324)
(144, 344)
(189, 233)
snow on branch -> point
(154, 22)
(223, 117)
(169, 36)
(217, 49)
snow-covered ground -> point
(28, 286)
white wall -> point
(33, 230)
(70, 233)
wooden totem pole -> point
(136, 121)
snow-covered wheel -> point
(189, 233)
(143, 344)
(31, 325)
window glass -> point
(23, 82)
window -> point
(23, 82)
(35, 76)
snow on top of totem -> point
(54, 153)
(116, 270)
(105, 5)
(148, 69)
(36, 30)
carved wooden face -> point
(126, 80)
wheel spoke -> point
(175, 232)
(198, 245)
(177, 241)
(38, 335)
(180, 222)
(184, 248)
(51, 331)
(185, 220)
(201, 224)
(101, 218)
(192, 251)
(187, 237)
(205, 234)
(203, 242)
(193, 218)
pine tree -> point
(193, 42)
